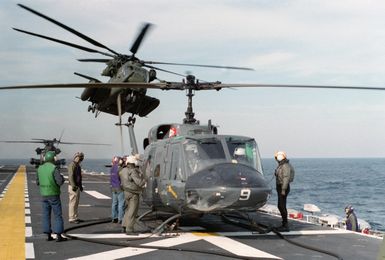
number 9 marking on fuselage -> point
(245, 194)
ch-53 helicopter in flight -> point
(49, 145)
(190, 168)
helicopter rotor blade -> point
(32, 142)
(86, 77)
(92, 85)
(198, 65)
(95, 60)
(178, 85)
(139, 38)
(296, 86)
(61, 136)
(168, 71)
(64, 42)
(83, 143)
(84, 37)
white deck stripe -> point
(26, 205)
(174, 241)
(27, 220)
(27, 211)
(115, 254)
(112, 235)
(237, 248)
(291, 233)
(224, 234)
(97, 194)
(225, 243)
(29, 251)
(28, 232)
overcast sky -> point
(286, 42)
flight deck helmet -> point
(80, 155)
(49, 156)
(280, 155)
(131, 160)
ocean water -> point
(331, 184)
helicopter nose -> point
(226, 186)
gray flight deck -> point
(206, 238)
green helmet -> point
(49, 156)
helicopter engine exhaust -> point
(226, 187)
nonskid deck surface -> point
(206, 238)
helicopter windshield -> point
(203, 152)
(244, 151)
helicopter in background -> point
(121, 68)
(49, 145)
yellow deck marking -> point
(12, 217)
(204, 234)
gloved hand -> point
(81, 188)
(74, 188)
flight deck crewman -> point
(74, 187)
(351, 219)
(133, 182)
(49, 180)
(284, 174)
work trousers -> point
(52, 204)
(132, 207)
(73, 204)
(282, 203)
(117, 207)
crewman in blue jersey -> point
(49, 180)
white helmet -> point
(280, 155)
(131, 159)
(239, 151)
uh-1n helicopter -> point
(49, 145)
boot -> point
(59, 238)
(284, 228)
(49, 237)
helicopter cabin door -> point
(173, 180)
(151, 170)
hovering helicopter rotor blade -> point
(83, 143)
(95, 60)
(40, 139)
(84, 37)
(86, 77)
(168, 71)
(139, 39)
(198, 65)
(92, 85)
(32, 142)
(65, 43)
(61, 135)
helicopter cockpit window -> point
(203, 152)
(245, 152)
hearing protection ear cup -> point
(280, 157)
